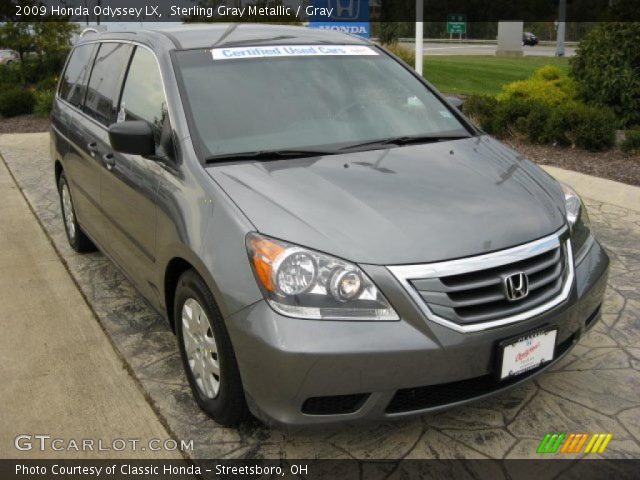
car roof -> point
(193, 36)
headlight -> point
(577, 218)
(298, 282)
(575, 209)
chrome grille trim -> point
(406, 273)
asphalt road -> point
(454, 48)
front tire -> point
(207, 354)
(77, 238)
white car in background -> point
(8, 57)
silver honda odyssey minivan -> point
(329, 237)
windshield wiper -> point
(404, 140)
(268, 155)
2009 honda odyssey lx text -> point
(329, 237)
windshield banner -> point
(290, 51)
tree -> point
(43, 34)
(16, 36)
(53, 38)
(607, 68)
(46, 39)
(42, 38)
(389, 31)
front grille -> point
(432, 396)
(334, 405)
(479, 296)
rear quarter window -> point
(74, 81)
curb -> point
(599, 189)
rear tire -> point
(207, 354)
(77, 238)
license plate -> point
(527, 352)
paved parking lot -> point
(596, 388)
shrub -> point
(37, 68)
(534, 124)
(16, 101)
(48, 83)
(405, 53)
(557, 128)
(548, 85)
(10, 75)
(33, 70)
(594, 128)
(481, 109)
(44, 102)
(548, 73)
(585, 126)
(588, 127)
(631, 141)
(607, 69)
(509, 114)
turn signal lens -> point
(265, 252)
(298, 282)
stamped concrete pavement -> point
(596, 388)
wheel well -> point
(176, 267)
(58, 170)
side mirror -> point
(455, 101)
(134, 137)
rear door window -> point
(74, 81)
(106, 78)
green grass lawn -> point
(482, 74)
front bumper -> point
(304, 372)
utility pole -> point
(419, 35)
(562, 14)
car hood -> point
(412, 204)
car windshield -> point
(293, 101)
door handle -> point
(93, 148)
(109, 160)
